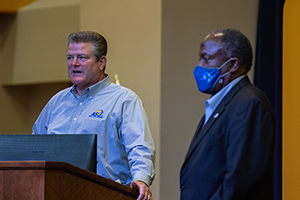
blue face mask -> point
(207, 77)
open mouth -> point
(76, 72)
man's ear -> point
(102, 62)
(235, 65)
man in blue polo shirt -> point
(94, 105)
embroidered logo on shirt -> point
(98, 114)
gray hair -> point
(98, 41)
(235, 44)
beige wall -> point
(43, 27)
(153, 47)
(32, 59)
(11, 110)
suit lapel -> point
(196, 136)
(202, 131)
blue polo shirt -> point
(125, 147)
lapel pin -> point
(216, 115)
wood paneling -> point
(46, 180)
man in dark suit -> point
(231, 155)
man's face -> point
(211, 55)
(83, 68)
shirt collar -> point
(214, 101)
(94, 89)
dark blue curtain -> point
(268, 71)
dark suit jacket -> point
(232, 155)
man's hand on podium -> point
(144, 191)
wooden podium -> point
(48, 180)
